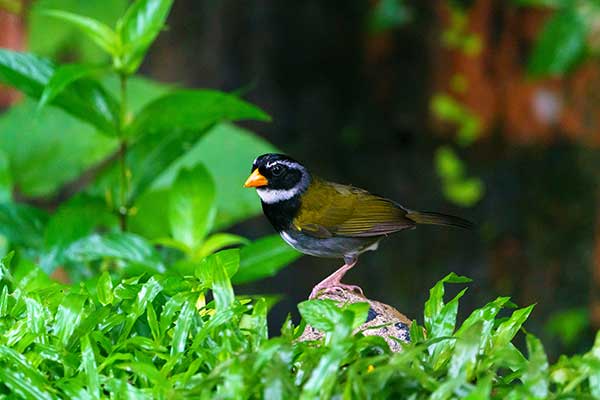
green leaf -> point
(66, 38)
(22, 224)
(99, 33)
(63, 76)
(84, 99)
(465, 352)
(171, 124)
(435, 304)
(25, 71)
(388, 14)
(23, 380)
(104, 289)
(229, 260)
(221, 285)
(182, 328)
(88, 361)
(323, 314)
(234, 202)
(139, 27)
(192, 110)
(75, 219)
(121, 246)
(264, 258)
(68, 317)
(508, 329)
(192, 206)
(560, 45)
(217, 242)
(536, 377)
(5, 178)
(44, 150)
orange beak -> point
(256, 180)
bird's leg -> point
(333, 280)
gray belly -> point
(334, 247)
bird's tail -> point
(433, 218)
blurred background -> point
(486, 109)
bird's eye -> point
(277, 170)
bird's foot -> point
(327, 287)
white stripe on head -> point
(271, 196)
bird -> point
(330, 220)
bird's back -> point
(330, 209)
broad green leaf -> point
(229, 260)
(594, 378)
(62, 77)
(321, 314)
(84, 99)
(121, 246)
(234, 202)
(536, 378)
(149, 217)
(23, 379)
(138, 28)
(22, 224)
(66, 38)
(6, 183)
(192, 206)
(192, 110)
(323, 376)
(435, 303)
(264, 258)
(182, 328)
(508, 329)
(217, 242)
(98, 32)
(560, 45)
(73, 220)
(25, 71)
(104, 289)
(171, 125)
(486, 316)
(482, 390)
(221, 286)
(465, 352)
(88, 361)
(68, 317)
(44, 150)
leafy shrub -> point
(126, 183)
(135, 168)
(160, 335)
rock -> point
(390, 322)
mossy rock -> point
(383, 320)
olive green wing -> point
(330, 209)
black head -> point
(277, 177)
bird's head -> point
(277, 178)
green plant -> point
(568, 38)
(154, 165)
(165, 336)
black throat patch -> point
(282, 213)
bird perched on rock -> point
(326, 219)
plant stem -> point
(124, 186)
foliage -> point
(165, 336)
(128, 164)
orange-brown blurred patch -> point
(498, 89)
(12, 36)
